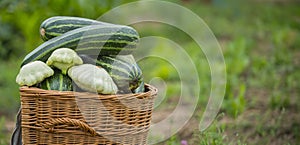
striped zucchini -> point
(58, 81)
(94, 39)
(123, 69)
(140, 89)
(58, 25)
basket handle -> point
(55, 121)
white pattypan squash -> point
(63, 59)
(92, 78)
(33, 73)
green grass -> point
(3, 133)
(261, 48)
(9, 89)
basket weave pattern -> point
(53, 117)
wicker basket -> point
(54, 117)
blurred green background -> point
(261, 46)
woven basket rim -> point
(151, 91)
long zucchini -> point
(58, 25)
(91, 40)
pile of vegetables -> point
(83, 54)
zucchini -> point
(94, 39)
(140, 89)
(58, 81)
(58, 25)
(125, 72)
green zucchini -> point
(58, 25)
(125, 72)
(94, 39)
(58, 81)
(140, 89)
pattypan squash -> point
(33, 73)
(63, 59)
(92, 78)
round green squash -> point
(58, 82)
